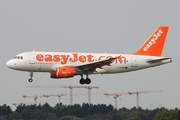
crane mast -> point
(56, 95)
(115, 96)
(34, 96)
(143, 92)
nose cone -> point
(9, 64)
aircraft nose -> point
(9, 64)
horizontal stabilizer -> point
(158, 60)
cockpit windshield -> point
(18, 57)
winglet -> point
(154, 45)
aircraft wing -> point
(91, 67)
(87, 67)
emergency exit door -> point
(31, 58)
(133, 61)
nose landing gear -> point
(31, 75)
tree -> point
(168, 115)
(52, 116)
(5, 110)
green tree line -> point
(85, 112)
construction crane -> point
(56, 95)
(65, 94)
(142, 92)
(34, 96)
(67, 86)
(115, 96)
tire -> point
(30, 80)
(88, 81)
(82, 81)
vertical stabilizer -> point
(154, 45)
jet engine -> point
(63, 72)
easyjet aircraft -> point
(67, 65)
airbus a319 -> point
(70, 64)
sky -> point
(116, 26)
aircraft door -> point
(133, 61)
(31, 58)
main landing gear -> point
(31, 75)
(84, 81)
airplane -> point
(70, 64)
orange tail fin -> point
(154, 45)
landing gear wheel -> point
(30, 80)
(82, 81)
(31, 75)
(88, 81)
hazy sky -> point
(116, 26)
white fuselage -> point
(49, 61)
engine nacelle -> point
(63, 72)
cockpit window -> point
(18, 57)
